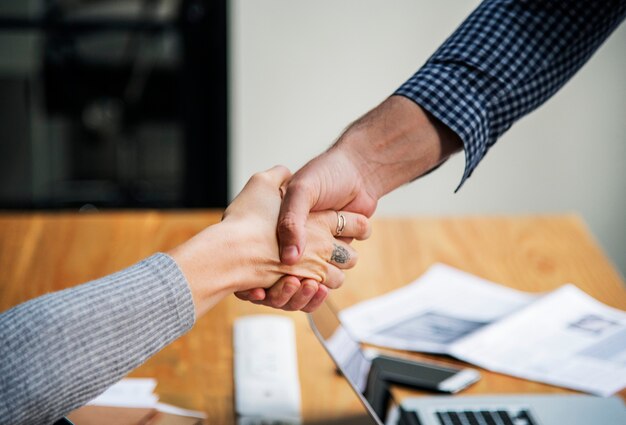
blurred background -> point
(175, 103)
(113, 103)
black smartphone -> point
(422, 375)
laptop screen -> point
(345, 351)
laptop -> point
(526, 409)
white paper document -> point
(433, 312)
(138, 393)
(564, 337)
(129, 392)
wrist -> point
(395, 143)
(211, 265)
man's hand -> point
(289, 294)
(388, 147)
(332, 181)
(391, 145)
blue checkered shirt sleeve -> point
(505, 60)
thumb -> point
(294, 211)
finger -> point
(303, 296)
(343, 255)
(334, 277)
(317, 300)
(256, 294)
(353, 225)
(243, 295)
(282, 291)
(294, 211)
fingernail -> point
(290, 252)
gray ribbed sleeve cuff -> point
(61, 350)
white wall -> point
(301, 71)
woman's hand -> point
(241, 252)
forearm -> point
(61, 350)
(395, 143)
(505, 60)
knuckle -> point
(298, 185)
(281, 169)
(258, 177)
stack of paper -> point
(130, 402)
(564, 338)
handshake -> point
(284, 241)
(241, 254)
(306, 275)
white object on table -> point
(267, 387)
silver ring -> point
(341, 223)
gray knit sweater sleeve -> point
(62, 349)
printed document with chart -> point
(563, 337)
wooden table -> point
(46, 252)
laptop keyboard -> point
(485, 417)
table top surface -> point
(43, 252)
